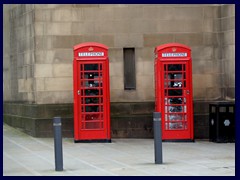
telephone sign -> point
(174, 54)
(91, 54)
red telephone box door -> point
(174, 91)
(91, 93)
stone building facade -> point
(38, 54)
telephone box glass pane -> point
(174, 67)
(175, 101)
(91, 95)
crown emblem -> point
(174, 49)
(90, 49)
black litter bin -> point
(222, 122)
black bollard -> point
(157, 128)
(57, 125)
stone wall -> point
(39, 62)
(19, 57)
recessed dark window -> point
(129, 69)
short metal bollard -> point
(57, 125)
(157, 128)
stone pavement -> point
(24, 155)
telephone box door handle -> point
(78, 92)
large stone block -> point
(145, 94)
(63, 56)
(115, 55)
(153, 40)
(201, 129)
(39, 28)
(200, 66)
(116, 82)
(227, 10)
(62, 15)
(114, 27)
(28, 57)
(25, 85)
(77, 15)
(91, 38)
(208, 25)
(214, 93)
(193, 25)
(86, 5)
(120, 95)
(43, 43)
(116, 69)
(116, 95)
(164, 26)
(126, 12)
(209, 38)
(62, 70)
(43, 15)
(159, 12)
(199, 93)
(203, 52)
(188, 13)
(52, 6)
(58, 84)
(228, 52)
(63, 41)
(202, 80)
(147, 54)
(228, 23)
(108, 40)
(148, 68)
(212, 12)
(229, 38)
(128, 40)
(143, 108)
(57, 28)
(44, 57)
(145, 82)
(132, 127)
(201, 107)
(91, 14)
(106, 13)
(39, 84)
(85, 27)
(230, 93)
(189, 39)
(230, 78)
(54, 97)
(29, 18)
(231, 67)
(217, 67)
(142, 26)
(43, 70)
(217, 25)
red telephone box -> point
(91, 93)
(173, 91)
